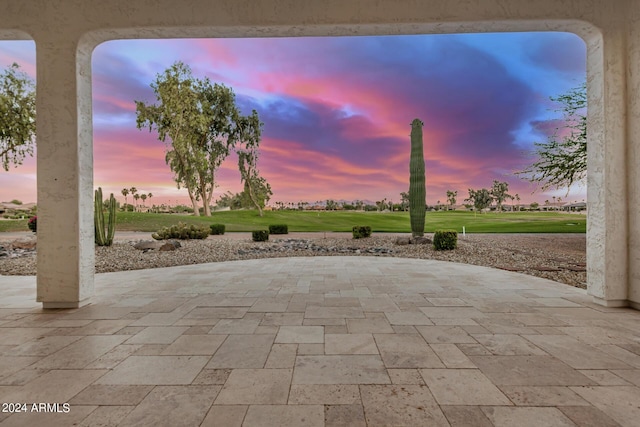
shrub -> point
(260, 235)
(182, 231)
(445, 240)
(217, 229)
(278, 229)
(360, 231)
(33, 224)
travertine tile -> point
(324, 394)
(462, 387)
(155, 370)
(235, 326)
(395, 405)
(71, 418)
(405, 376)
(103, 327)
(529, 370)
(406, 351)
(300, 335)
(55, 386)
(350, 344)
(445, 335)
(281, 319)
(317, 312)
(82, 352)
(157, 335)
(588, 416)
(369, 326)
(282, 356)
(408, 318)
(526, 417)
(225, 416)
(212, 376)
(195, 345)
(284, 416)
(122, 395)
(451, 356)
(12, 364)
(173, 406)
(256, 387)
(106, 416)
(466, 416)
(602, 377)
(575, 353)
(352, 369)
(508, 345)
(618, 402)
(242, 351)
(344, 416)
(543, 396)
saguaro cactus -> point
(104, 238)
(417, 189)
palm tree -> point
(133, 191)
(136, 196)
(143, 197)
(125, 192)
(517, 197)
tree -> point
(517, 197)
(481, 199)
(256, 188)
(17, 116)
(404, 201)
(144, 198)
(451, 197)
(562, 160)
(331, 205)
(133, 191)
(137, 197)
(499, 193)
(125, 193)
(199, 122)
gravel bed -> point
(559, 257)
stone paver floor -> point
(335, 341)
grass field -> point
(396, 222)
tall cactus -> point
(104, 238)
(417, 190)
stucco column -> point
(633, 152)
(65, 173)
(607, 221)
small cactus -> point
(104, 238)
(417, 189)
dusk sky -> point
(337, 111)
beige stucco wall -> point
(66, 31)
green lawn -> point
(397, 222)
(513, 222)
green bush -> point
(260, 235)
(217, 229)
(182, 231)
(278, 229)
(445, 240)
(361, 231)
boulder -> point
(27, 243)
(147, 245)
(421, 241)
(170, 245)
(403, 241)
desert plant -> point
(104, 237)
(217, 229)
(260, 235)
(278, 229)
(445, 240)
(417, 190)
(182, 231)
(361, 231)
(33, 224)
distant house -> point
(6, 207)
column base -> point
(615, 303)
(65, 304)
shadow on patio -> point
(320, 341)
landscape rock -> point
(403, 241)
(170, 245)
(26, 243)
(421, 241)
(147, 245)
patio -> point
(320, 341)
